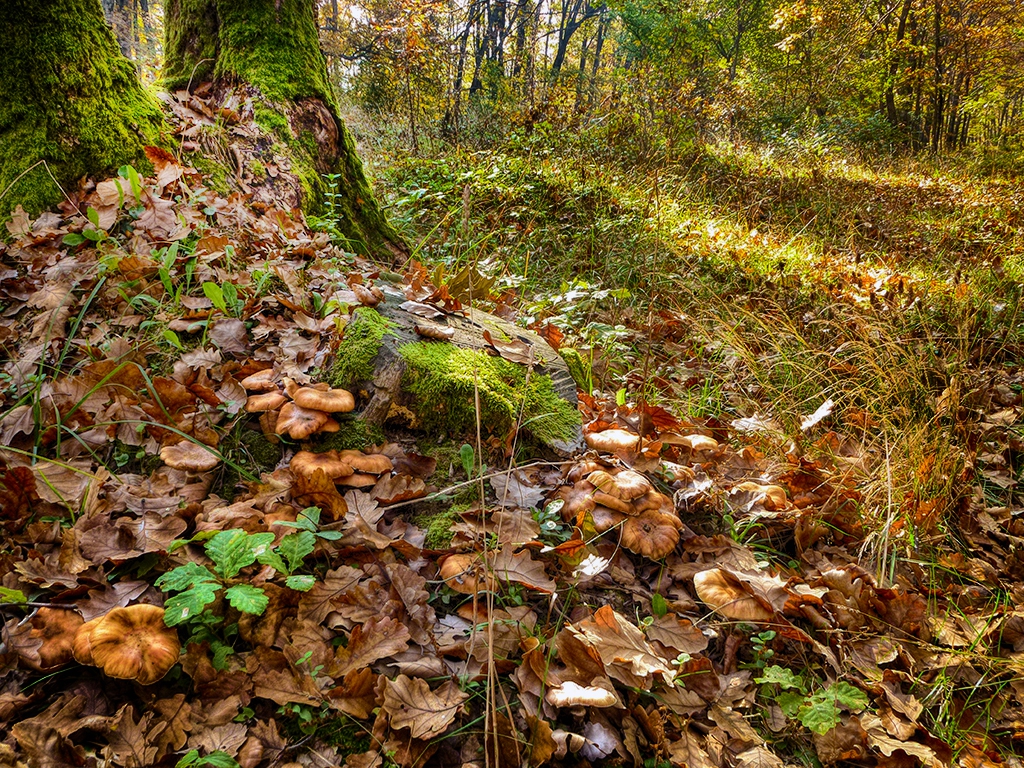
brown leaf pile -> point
(546, 633)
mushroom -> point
(618, 491)
(134, 643)
(577, 500)
(613, 441)
(299, 422)
(189, 456)
(329, 401)
(371, 463)
(261, 381)
(265, 401)
(81, 649)
(357, 480)
(605, 519)
(724, 594)
(652, 534)
(55, 628)
(464, 574)
(306, 463)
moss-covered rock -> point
(357, 350)
(355, 434)
(579, 368)
(443, 380)
(71, 104)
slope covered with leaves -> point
(693, 591)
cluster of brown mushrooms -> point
(131, 643)
(625, 500)
(285, 408)
(354, 469)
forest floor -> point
(811, 369)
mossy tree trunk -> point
(71, 104)
(272, 48)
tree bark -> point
(71, 104)
(269, 49)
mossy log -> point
(71, 104)
(433, 385)
(270, 50)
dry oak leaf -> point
(357, 694)
(279, 680)
(620, 644)
(369, 642)
(523, 569)
(411, 704)
(128, 743)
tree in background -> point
(660, 77)
(71, 104)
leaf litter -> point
(318, 625)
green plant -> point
(198, 586)
(216, 759)
(818, 710)
(224, 297)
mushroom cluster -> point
(131, 643)
(354, 469)
(295, 411)
(624, 499)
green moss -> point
(69, 99)
(355, 434)
(271, 121)
(251, 452)
(438, 525)
(272, 44)
(218, 177)
(579, 368)
(441, 378)
(264, 454)
(357, 352)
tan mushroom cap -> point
(261, 381)
(81, 649)
(613, 441)
(298, 422)
(371, 463)
(724, 594)
(464, 573)
(584, 468)
(578, 500)
(331, 401)
(655, 500)
(358, 480)
(619, 505)
(134, 643)
(56, 629)
(651, 534)
(605, 519)
(265, 401)
(626, 485)
(305, 463)
(189, 456)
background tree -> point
(269, 49)
(71, 104)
